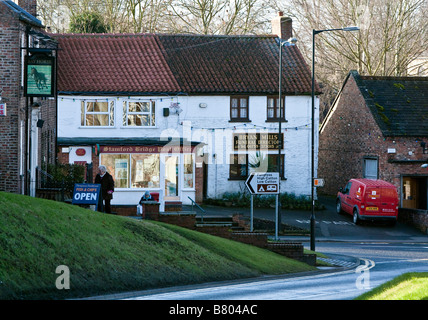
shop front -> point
(170, 172)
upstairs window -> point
(273, 109)
(239, 108)
(97, 114)
(139, 114)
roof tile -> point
(149, 63)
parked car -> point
(367, 199)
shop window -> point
(273, 109)
(188, 171)
(145, 170)
(139, 114)
(133, 170)
(118, 166)
(239, 108)
(97, 114)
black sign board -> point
(257, 141)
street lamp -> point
(315, 32)
(282, 43)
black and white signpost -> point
(264, 183)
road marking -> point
(345, 223)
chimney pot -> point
(282, 26)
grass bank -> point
(409, 286)
(108, 254)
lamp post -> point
(315, 32)
(289, 42)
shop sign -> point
(257, 141)
(80, 152)
(146, 149)
(86, 193)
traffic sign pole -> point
(252, 214)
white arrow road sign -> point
(263, 183)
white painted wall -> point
(210, 125)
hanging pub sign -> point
(39, 75)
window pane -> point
(370, 168)
(139, 107)
(82, 115)
(243, 113)
(188, 171)
(234, 113)
(238, 166)
(100, 119)
(97, 107)
(111, 114)
(234, 103)
(145, 171)
(118, 166)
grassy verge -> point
(107, 254)
(409, 286)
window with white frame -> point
(139, 114)
(97, 113)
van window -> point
(347, 188)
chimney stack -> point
(29, 5)
(282, 26)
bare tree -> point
(392, 34)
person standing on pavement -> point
(107, 188)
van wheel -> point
(338, 207)
(355, 217)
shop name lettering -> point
(41, 62)
(85, 193)
(255, 141)
(137, 149)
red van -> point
(367, 199)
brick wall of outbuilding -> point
(350, 133)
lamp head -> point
(351, 29)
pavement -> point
(329, 226)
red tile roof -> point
(112, 63)
(194, 64)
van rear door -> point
(372, 200)
(381, 201)
(389, 201)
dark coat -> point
(107, 184)
(146, 199)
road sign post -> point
(264, 183)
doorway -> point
(414, 194)
(171, 178)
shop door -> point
(171, 177)
(415, 192)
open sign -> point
(86, 193)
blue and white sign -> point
(86, 193)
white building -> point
(183, 115)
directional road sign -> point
(263, 183)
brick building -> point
(27, 124)
(378, 128)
